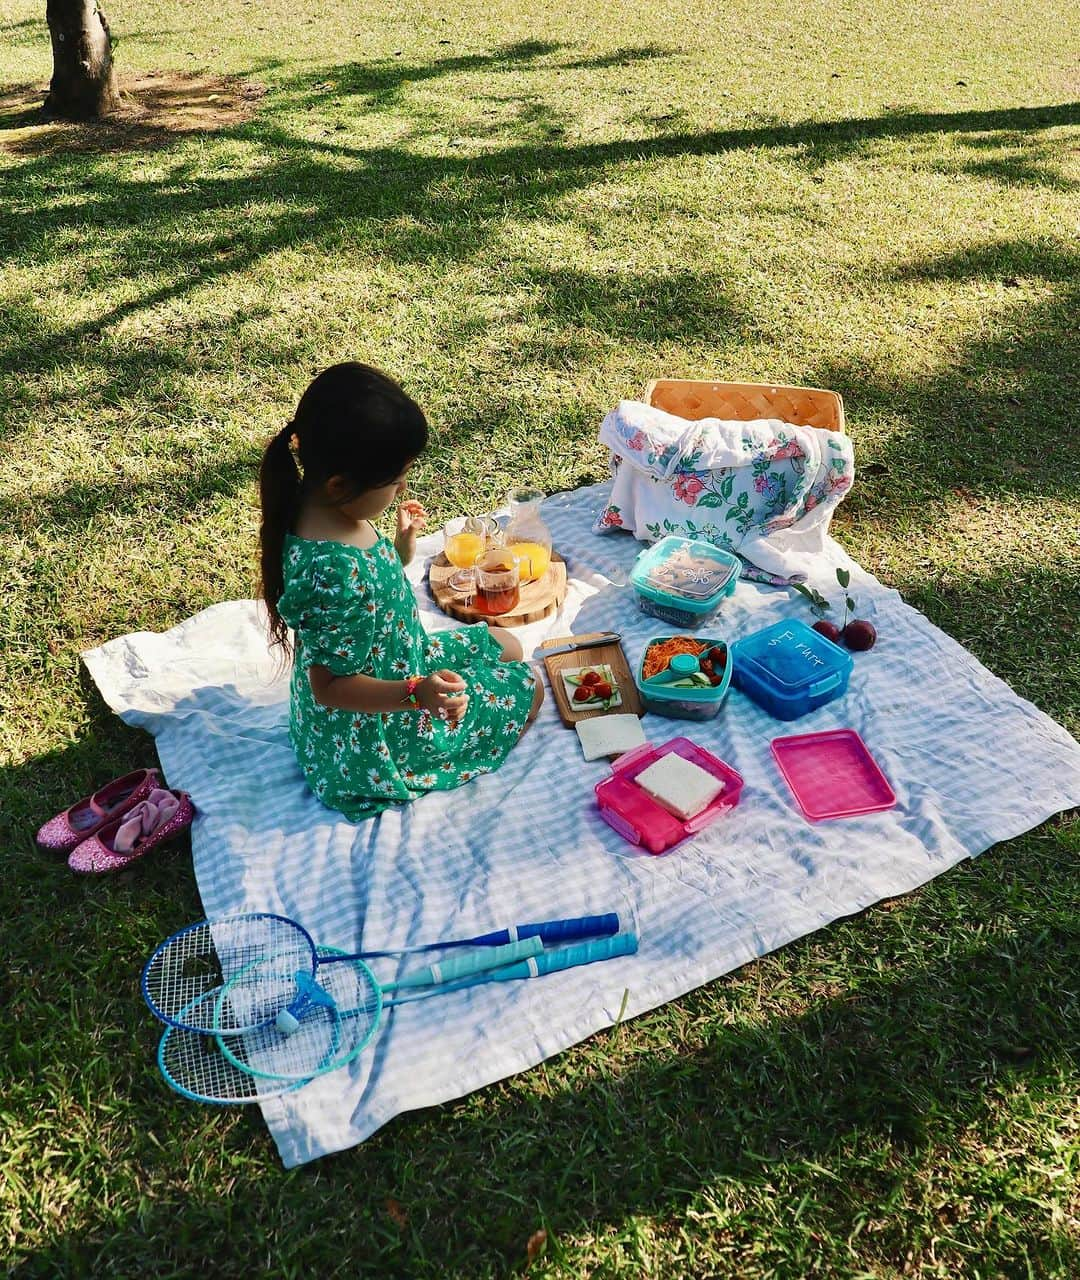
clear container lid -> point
(683, 569)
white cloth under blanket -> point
(764, 489)
(971, 764)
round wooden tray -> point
(538, 599)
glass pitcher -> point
(527, 536)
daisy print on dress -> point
(366, 622)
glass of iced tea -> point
(497, 582)
(466, 540)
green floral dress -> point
(353, 611)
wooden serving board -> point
(538, 599)
(613, 655)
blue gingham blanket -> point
(526, 843)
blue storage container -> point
(789, 669)
(682, 580)
(659, 697)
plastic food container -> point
(683, 704)
(682, 580)
(790, 669)
(636, 816)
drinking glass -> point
(467, 538)
(497, 582)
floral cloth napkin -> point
(764, 489)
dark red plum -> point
(859, 635)
(828, 629)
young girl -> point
(380, 712)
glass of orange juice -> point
(466, 540)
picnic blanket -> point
(764, 489)
(971, 764)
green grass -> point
(524, 212)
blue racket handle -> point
(465, 966)
(552, 931)
(622, 944)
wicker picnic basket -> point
(744, 401)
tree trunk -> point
(83, 84)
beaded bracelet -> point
(412, 683)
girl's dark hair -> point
(353, 422)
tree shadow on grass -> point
(994, 417)
(25, 33)
(1012, 159)
(399, 205)
(1019, 623)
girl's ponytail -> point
(279, 493)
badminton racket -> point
(202, 956)
(197, 1067)
(212, 1068)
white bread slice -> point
(609, 735)
(681, 786)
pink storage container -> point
(832, 774)
(636, 816)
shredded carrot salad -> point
(658, 656)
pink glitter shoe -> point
(124, 840)
(70, 828)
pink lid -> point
(832, 774)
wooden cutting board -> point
(612, 654)
(538, 599)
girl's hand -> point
(411, 520)
(411, 517)
(443, 695)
